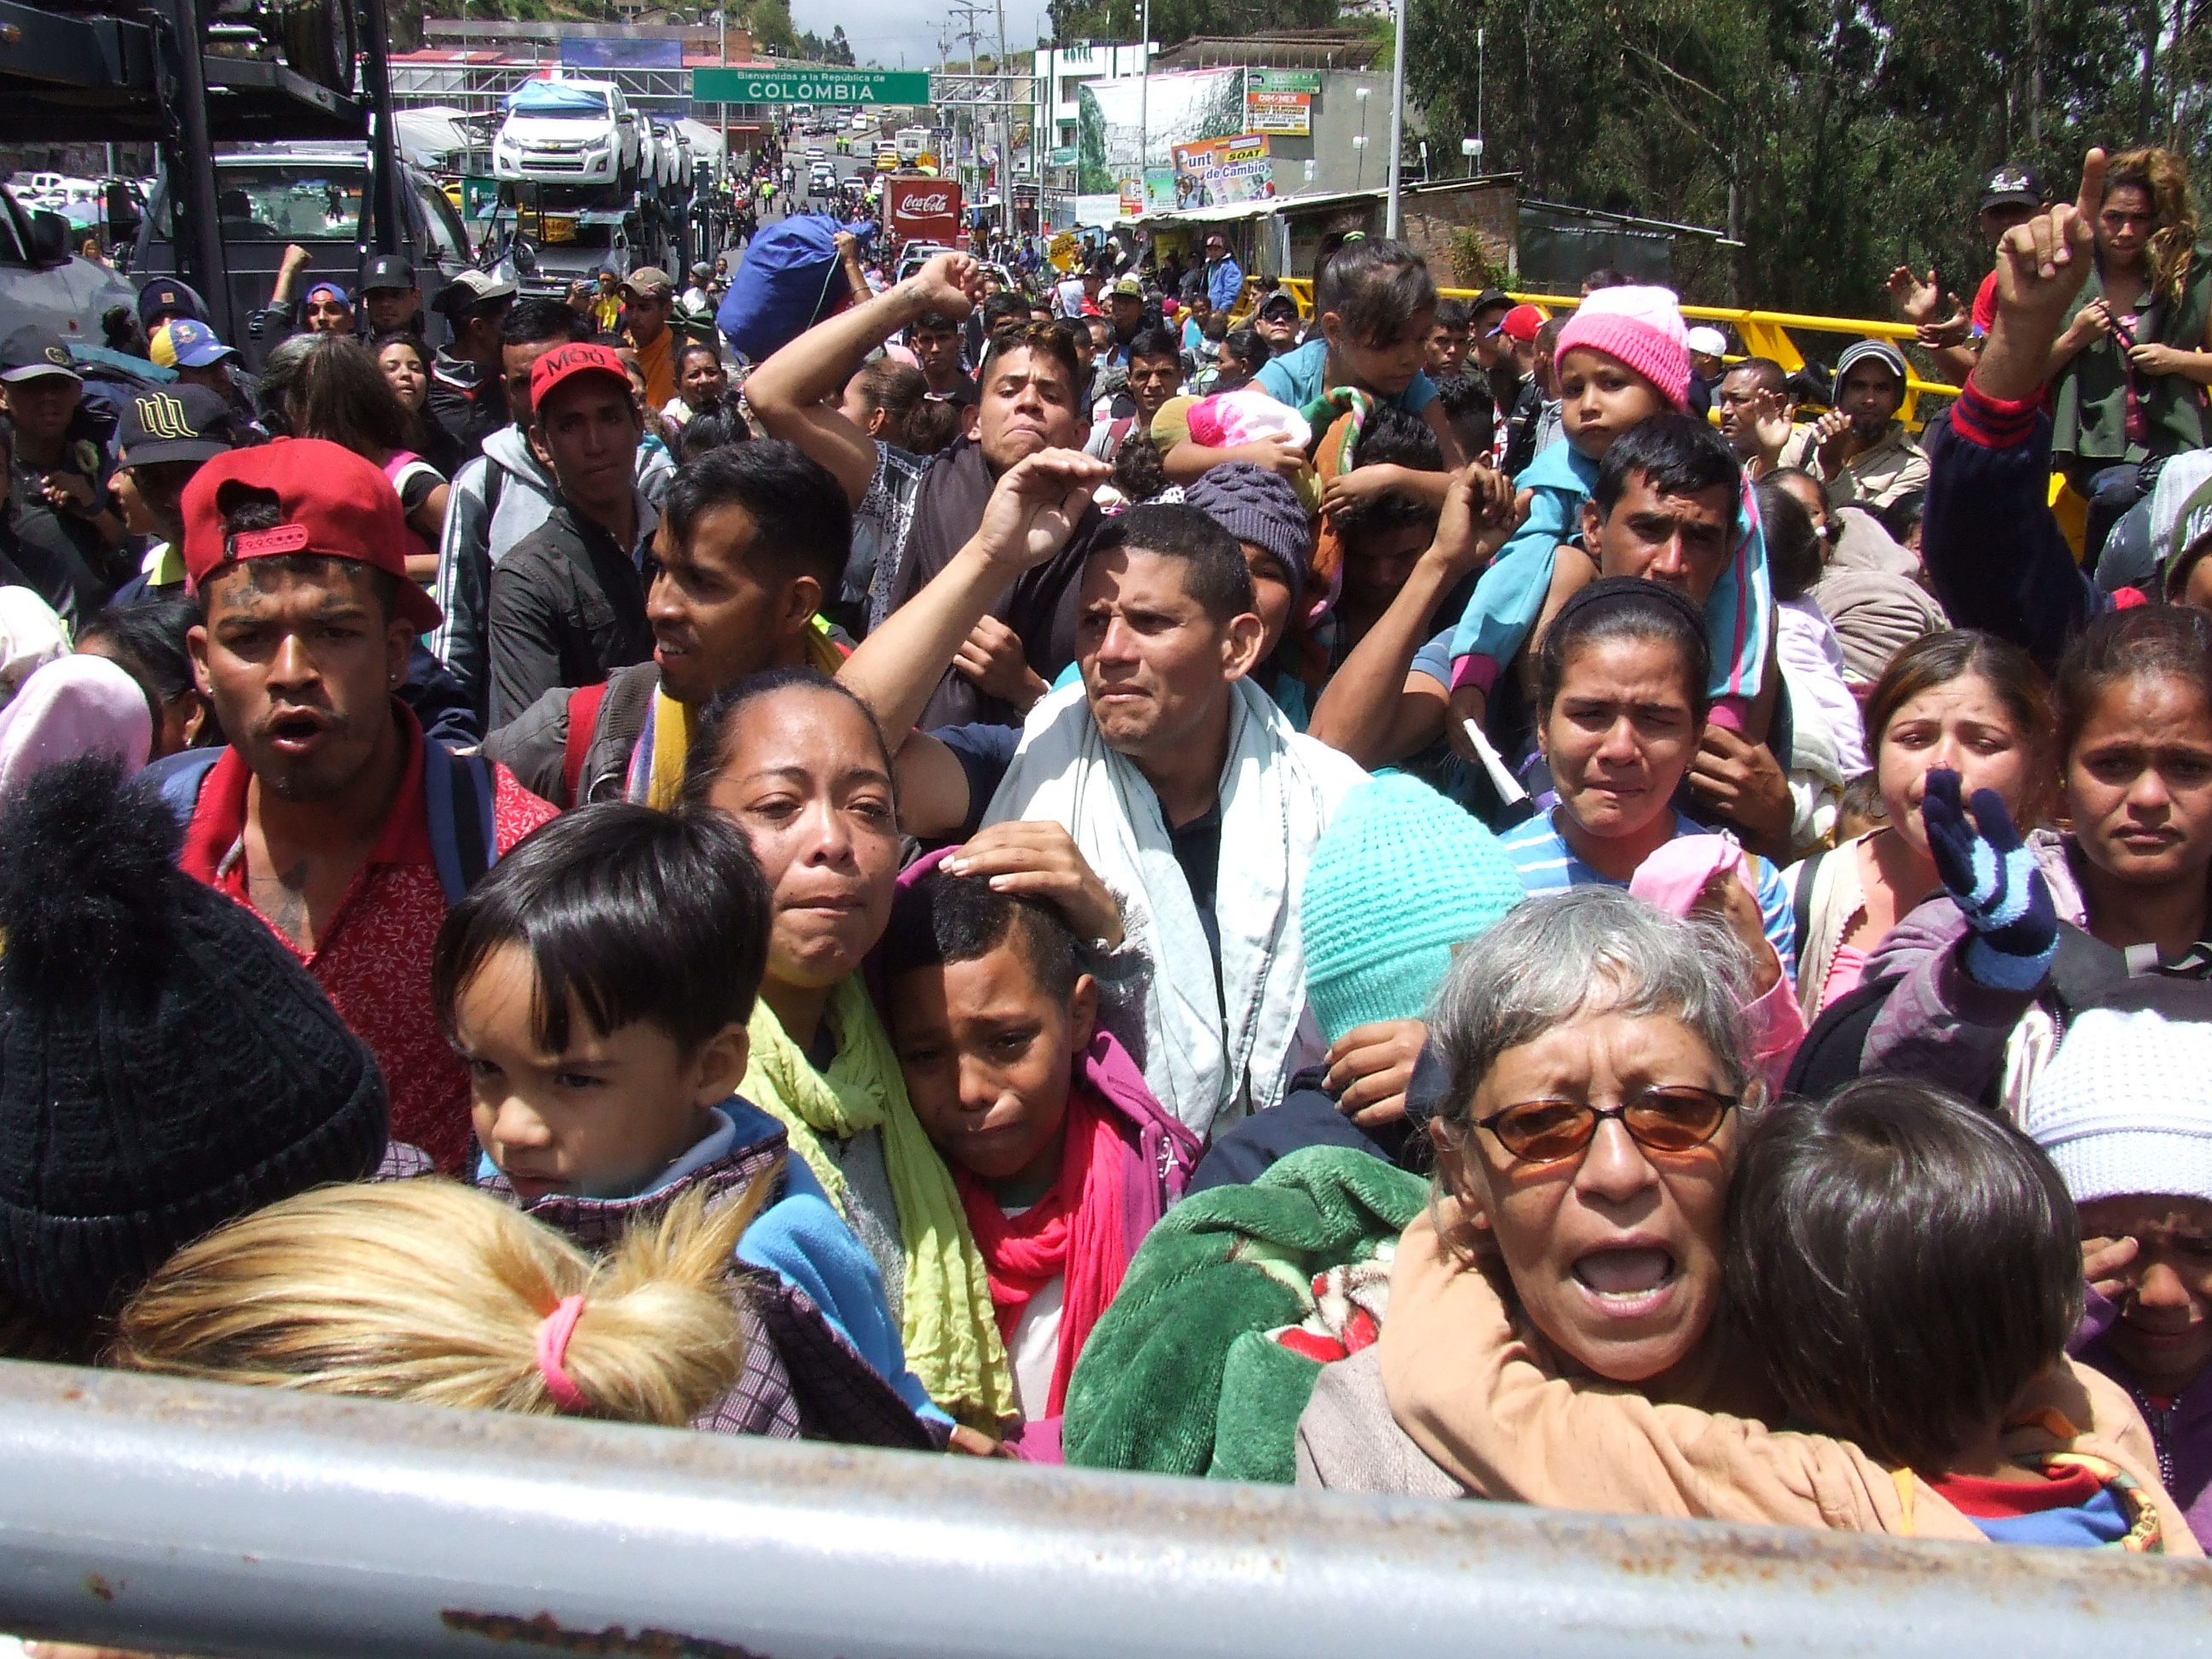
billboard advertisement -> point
(1280, 101)
(1178, 109)
(1220, 172)
(923, 210)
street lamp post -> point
(1391, 216)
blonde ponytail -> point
(430, 1291)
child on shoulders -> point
(1622, 358)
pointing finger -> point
(2091, 203)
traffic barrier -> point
(184, 1517)
(1763, 333)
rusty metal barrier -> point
(153, 1514)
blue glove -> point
(1991, 877)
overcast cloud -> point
(881, 30)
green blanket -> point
(1178, 1378)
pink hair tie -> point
(553, 1353)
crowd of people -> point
(1401, 893)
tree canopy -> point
(1837, 138)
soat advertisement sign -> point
(1280, 101)
(1221, 171)
(1127, 125)
(923, 210)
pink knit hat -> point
(1641, 327)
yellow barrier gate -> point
(1763, 333)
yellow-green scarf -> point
(951, 1332)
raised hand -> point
(1917, 301)
(1736, 907)
(1771, 424)
(1480, 513)
(992, 657)
(1369, 1066)
(2041, 264)
(1832, 438)
(1040, 861)
(950, 284)
(1992, 878)
(2105, 1262)
(1034, 508)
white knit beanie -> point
(2125, 1106)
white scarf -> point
(1277, 791)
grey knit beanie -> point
(1259, 506)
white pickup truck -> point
(569, 132)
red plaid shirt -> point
(372, 959)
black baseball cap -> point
(174, 423)
(387, 270)
(2011, 186)
(1490, 299)
(32, 353)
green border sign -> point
(823, 86)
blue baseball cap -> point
(180, 342)
(330, 288)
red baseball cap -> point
(564, 363)
(335, 504)
(1519, 323)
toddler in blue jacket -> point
(1623, 358)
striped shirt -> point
(1545, 864)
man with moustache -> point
(750, 545)
(331, 815)
(1166, 771)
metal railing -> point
(1763, 333)
(181, 1517)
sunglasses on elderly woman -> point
(1671, 1120)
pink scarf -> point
(1075, 1230)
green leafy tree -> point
(1835, 139)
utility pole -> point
(1391, 213)
(722, 61)
(1144, 95)
(1006, 135)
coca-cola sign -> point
(924, 209)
